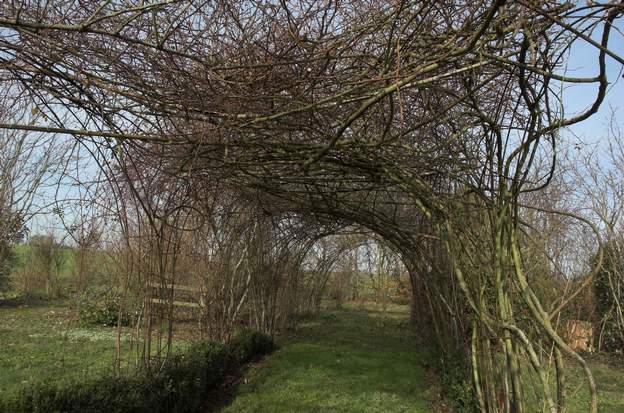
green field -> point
(24, 255)
(28, 274)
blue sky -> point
(583, 61)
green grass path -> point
(352, 360)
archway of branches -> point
(431, 124)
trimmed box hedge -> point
(180, 387)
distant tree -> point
(28, 163)
(609, 293)
(86, 235)
(11, 231)
(49, 256)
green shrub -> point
(247, 344)
(97, 307)
(179, 387)
(93, 395)
(457, 387)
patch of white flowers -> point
(93, 335)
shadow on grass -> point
(29, 300)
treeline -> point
(44, 265)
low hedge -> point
(247, 344)
(181, 386)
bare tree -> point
(29, 166)
(599, 179)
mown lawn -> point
(353, 360)
(360, 360)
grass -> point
(40, 344)
(608, 372)
(360, 360)
(353, 360)
(609, 379)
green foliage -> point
(611, 336)
(90, 395)
(101, 307)
(457, 387)
(182, 384)
(178, 387)
(245, 344)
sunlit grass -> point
(354, 360)
(609, 377)
(610, 382)
(40, 344)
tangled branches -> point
(407, 118)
